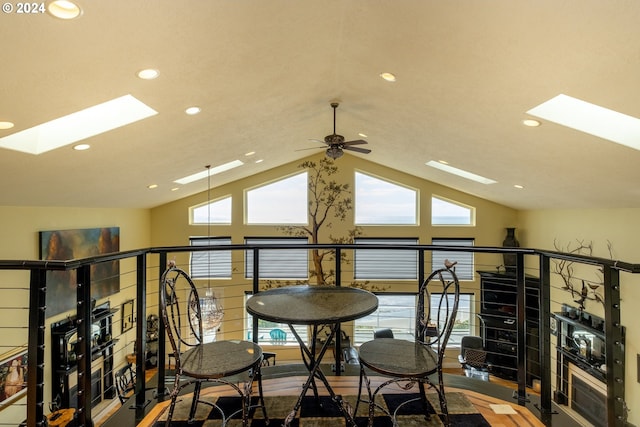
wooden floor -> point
(346, 385)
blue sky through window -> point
(382, 202)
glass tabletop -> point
(312, 304)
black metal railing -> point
(150, 262)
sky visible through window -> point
(382, 202)
(282, 202)
(219, 212)
(448, 213)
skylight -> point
(205, 173)
(460, 172)
(78, 126)
(590, 118)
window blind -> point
(398, 264)
(278, 263)
(210, 264)
(464, 267)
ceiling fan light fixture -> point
(334, 152)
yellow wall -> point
(19, 227)
(170, 226)
(618, 226)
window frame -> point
(303, 204)
(416, 201)
(472, 213)
(192, 210)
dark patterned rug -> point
(461, 412)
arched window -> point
(281, 202)
(448, 212)
(216, 212)
(380, 202)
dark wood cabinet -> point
(63, 357)
(498, 324)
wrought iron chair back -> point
(410, 363)
(234, 363)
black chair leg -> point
(194, 402)
(261, 397)
(423, 399)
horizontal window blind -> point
(210, 264)
(396, 264)
(279, 263)
(464, 267)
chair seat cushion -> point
(397, 357)
(220, 359)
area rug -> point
(461, 412)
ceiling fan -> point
(337, 143)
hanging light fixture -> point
(210, 306)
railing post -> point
(162, 260)
(521, 330)
(338, 338)
(614, 333)
(35, 347)
(256, 289)
(544, 343)
(83, 320)
(141, 330)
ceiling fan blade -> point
(358, 149)
(311, 148)
(356, 142)
(319, 141)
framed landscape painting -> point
(74, 244)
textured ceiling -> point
(264, 72)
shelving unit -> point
(581, 376)
(498, 328)
(570, 324)
(63, 357)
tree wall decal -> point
(329, 201)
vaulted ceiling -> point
(263, 73)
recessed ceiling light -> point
(444, 162)
(81, 147)
(64, 9)
(388, 77)
(152, 186)
(259, 160)
(460, 172)
(250, 153)
(175, 188)
(148, 74)
(192, 110)
(6, 125)
(531, 123)
(590, 118)
(518, 186)
(363, 135)
(205, 173)
(77, 126)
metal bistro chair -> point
(234, 363)
(411, 362)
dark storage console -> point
(499, 323)
(63, 356)
(581, 381)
